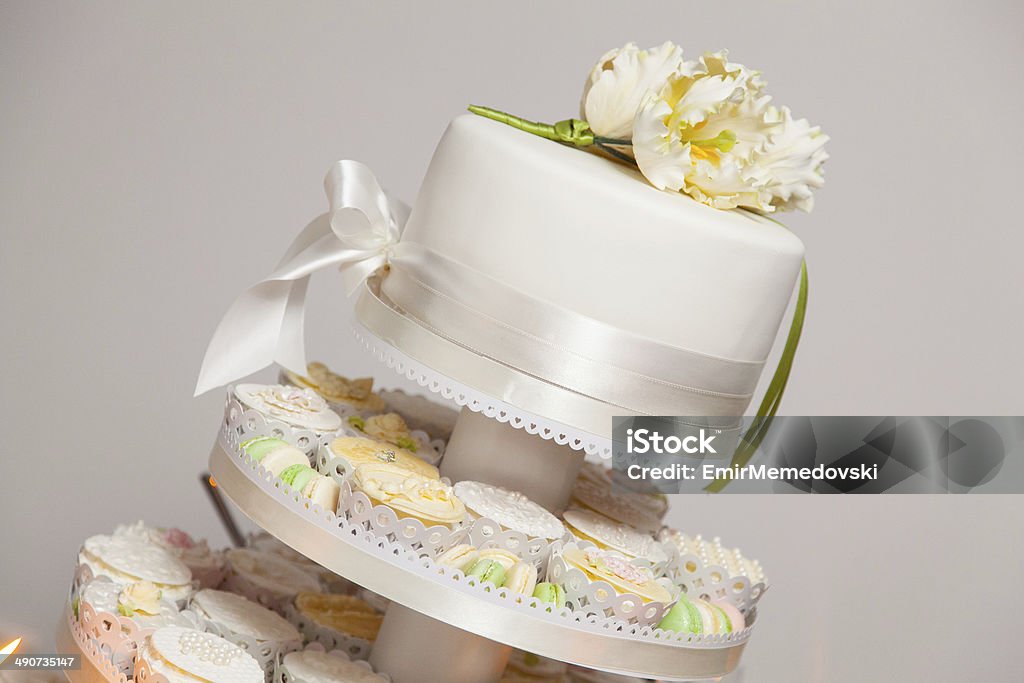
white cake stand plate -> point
(455, 614)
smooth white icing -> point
(591, 235)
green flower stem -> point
(611, 151)
(773, 396)
(570, 131)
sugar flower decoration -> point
(705, 128)
(619, 83)
(141, 596)
(710, 132)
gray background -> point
(157, 159)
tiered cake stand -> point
(440, 625)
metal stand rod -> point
(483, 449)
(210, 485)
(413, 648)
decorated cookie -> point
(618, 506)
(356, 393)
(346, 614)
(391, 428)
(186, 655)
(713, 553)
(130, 559)
(313, 666)
(606, 533)
(358, 451)
(244, 617)
(267, 578)
(143, 602)
(298, 407)
(410, 495)
(616, 569)
(420, 412)
(510, 509)
(207, 566)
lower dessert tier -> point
(94, 667)
(460, 604)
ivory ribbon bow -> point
(265, 323)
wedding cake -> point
(546, 259)
(560, 274)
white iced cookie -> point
(186, 655)
(207, 566)
(244, 617)
(105, 595)
(712, 552)
(614, 504)
(312, 666)
(510, 509)
(298, 407)
(606, 533)
(128, 559)
(271, 574)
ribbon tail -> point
(259, 317)
(291, 344)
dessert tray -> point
(356, 543)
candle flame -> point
(8, 649)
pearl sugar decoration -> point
(207, 647)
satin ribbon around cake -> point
(361, 233)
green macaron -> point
(683, 617)
(297, 476)
(550, 592)
(488, 570)
(258, 446)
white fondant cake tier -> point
(570, 268)
(593, 236)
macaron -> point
(488, 570)
(320, 489)
(275, 455)
(462, 557)
(684, 617)
(505, 557)
(297, 476)
(550, 592)
(732, 616)
(521, 578)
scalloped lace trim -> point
(479, 402)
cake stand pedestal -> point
(413, 647)
(483, 449)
